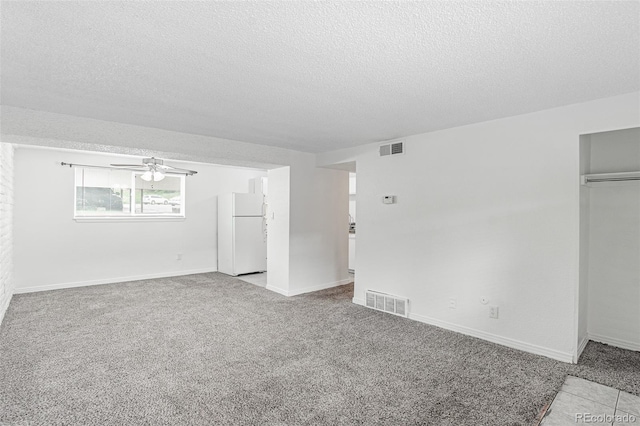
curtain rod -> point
(166, 172)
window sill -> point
(130, 219)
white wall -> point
(278, 230)
(352, 195)
(319, 227)
(6, 226)
(310, 201)
(485, 210)
(614, 242)
(583, 291)
(52, 250)
(617, 151)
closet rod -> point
(611, 179)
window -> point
(123, 193)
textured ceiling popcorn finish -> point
(314, 76)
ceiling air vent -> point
(387, 303)
(394, 148)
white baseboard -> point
(309, 289)
(620, 343)
(111, 280)
(277, 290)
(494, 338)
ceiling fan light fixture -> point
(152, 169)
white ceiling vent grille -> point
(394, 148)
(387, 303)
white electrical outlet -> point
(494, 312)
(452, 303)
(179, 256)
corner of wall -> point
(278, 228)
(319, 205)
(581, 345)
(6, 227)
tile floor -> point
(583, 402)
(259, 278)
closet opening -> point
(609, 289)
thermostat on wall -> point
(389, 199)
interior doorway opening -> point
(352, 223)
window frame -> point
(132, 216)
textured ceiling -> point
(314, 76)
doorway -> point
(352, 223)
(609, 293)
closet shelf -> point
(610, 177)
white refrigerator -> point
(242, 238)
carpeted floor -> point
(211, 349)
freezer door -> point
(250, 246)
(247, 205)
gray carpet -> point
(210, 349)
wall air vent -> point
(394, 148)
(387, 303)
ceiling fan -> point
(154, 169)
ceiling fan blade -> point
(155, 164)
(171, 168)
